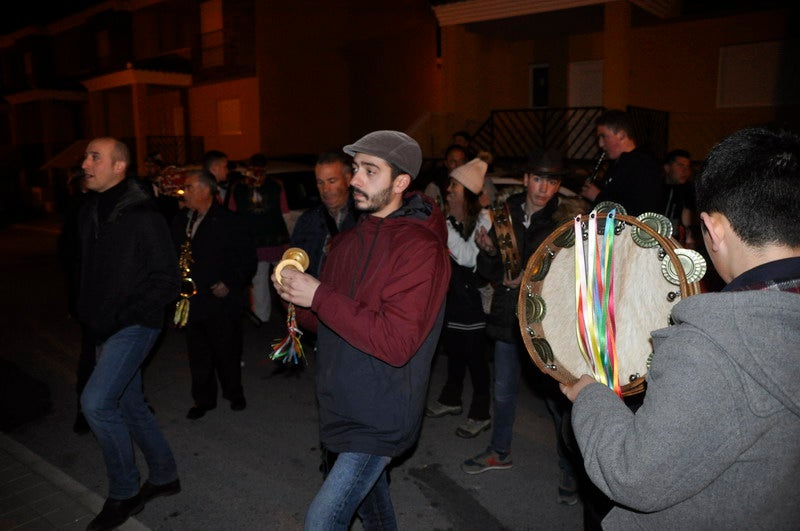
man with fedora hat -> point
(533, 215)
(378, 309)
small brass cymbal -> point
(296, 253)
(293, 258)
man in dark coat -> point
(633, 178)
(223, 260)
(316, 226)
(128, 275)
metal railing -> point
(511, 134)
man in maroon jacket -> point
(378, 308)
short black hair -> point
(463, 134)
(753, 178)
(258, 160)
(617, 121)
(457, 147)
(329, 157)
(211, 157)
(670, 157)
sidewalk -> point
(36, 495)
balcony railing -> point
(511, 134)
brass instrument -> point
(593, 177)
(188, 286)
(506, 240)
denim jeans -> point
(507, 372)
(356, 483)
(115, 409)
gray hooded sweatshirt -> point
(716, 443)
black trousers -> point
(215, 353)
(466, 349)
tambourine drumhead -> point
(643, 300)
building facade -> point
(290, 78)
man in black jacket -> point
(633, 178)
(128, 275)
(223, 260)
(317, 226)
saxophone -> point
(188, 286)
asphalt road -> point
(258, 468)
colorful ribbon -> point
(594, 300)
(290, 348)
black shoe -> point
(238, 404)
(115, 513)
(80, 427)
(150, 491)
(197, 412)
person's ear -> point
(401, 183)
(714, 228)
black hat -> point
(549, 163)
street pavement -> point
(247, 470)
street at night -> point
(257, 468)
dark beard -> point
(377, 201)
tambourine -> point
(506, 240)
(293, 258)
(650, 274)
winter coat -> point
(260, 207)
(313, 232)
(464, 303)
(223, 250)
(380, 310)
(634, 180)
(502, 322)
(129, 272)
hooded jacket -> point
(129, 272)
(380, 310)
(716, 443)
